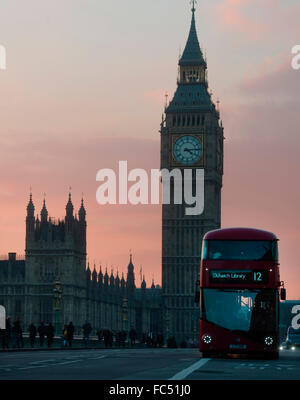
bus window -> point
(259, 250)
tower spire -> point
(192, 54)
(44, 212)
(193, 2)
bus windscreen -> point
(258, 250)
(251, 311)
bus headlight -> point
(269, 340)
(207, 339)
(293, 348)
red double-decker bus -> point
(240, 292)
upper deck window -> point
(252, 250)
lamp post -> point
(125, 313)
(167, 321)
(57, 294)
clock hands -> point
(190, 150)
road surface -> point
(145, 364)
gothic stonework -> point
(56, 251)
(191, 137)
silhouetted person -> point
(123, 338)
(50, 334)
(17, 334)
(6, 334)
(65, 335)
(106, 335)
(41, 331)
(160, 339)
(32, 334)
(100, 335)
(143, 338)
(132, 336)
(70, 333)
(87, 329)
(149, 340)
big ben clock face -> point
(187, 150)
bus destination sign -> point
(246, 276)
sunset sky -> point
(84, 88)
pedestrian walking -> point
(123, 337)
(106, 338)
(65, 335)
(100, 335)
(32, 334)
(17, 334)
(6, 334)
(160, 339)
(50, 334)
(132, 336)
(70, 333)
(41, 331)
(87, 329)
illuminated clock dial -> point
(187, 150)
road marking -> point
(68, 362)
(33, 366)
(185, 372)
(42, 361)
(95, 358)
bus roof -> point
(239, 234)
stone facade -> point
(190, 118)
(56, 252)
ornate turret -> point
(106, 278)
(44, 212)
(69, 208)
(112, 279)
(94, 275)
(143, 285)
(100, 277)
(82, 212)
(117, 280)
(192, 54)
(30, 220)
(30, 208)
(130, 277)
(88, 273)
(123, 283)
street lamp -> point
(57, 294)
(125, 313)
(167, 322)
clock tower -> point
(191, 137)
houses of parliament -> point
(56, 260)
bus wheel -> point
(206, 354)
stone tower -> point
(191, 138)
(55, 251)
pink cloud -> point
(233, 16)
